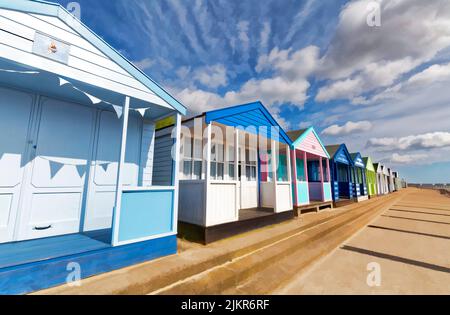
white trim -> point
(143, 239)
(143, 189)
(208, 171)
(119, 188)
(176, 173)
(289, 165)
(274, 158)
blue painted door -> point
(15, 113)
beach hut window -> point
(230, 161)
(325, 171)
(301, 175)
(282, 169)
(217, 161)
(360, 177)
(251, 157)
(342, 174)
(192, 158)
(314, 171)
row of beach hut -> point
(255, 174)
(98, 170)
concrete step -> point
(236, 272)
(193, 259)
(276, 275)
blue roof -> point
(56, 10)
(358, 160)
(340, 154)
(247, 116)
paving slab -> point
(411, 249)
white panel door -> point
(15, 112)
(102, 185)
(53, 192)
(249, 181)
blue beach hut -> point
(87, 184)
(235, 173)
(359, 181)
(341, 174)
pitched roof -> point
(295, 134)
(58, 11)
(252, 116)
(332, 149)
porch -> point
(79, 191)
(237, 162)
(38, 264)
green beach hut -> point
(371, 177)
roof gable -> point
(358, 160)
(369, 165)
(50, 9)
(308, 140)
(339, 153)
(247, 116)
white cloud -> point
(415, 142)
(265, 36)
(371, 58)
(243, 27)
(339, 90)
(287, 84)
(408, 158)
(271, 92)
(431, 74)
(211, 76)
(144, 64)
(289, 64)
(348, 128)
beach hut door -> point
(54, 184)
(249, 195)
(15, 112)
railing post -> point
(176, 170)
(119, 186)
(274, 174)
(208, 169)
(321, 178)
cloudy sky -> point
(381, 89)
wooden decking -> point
(314, 206)
(20, 253)
(343, 202)
(34, 265)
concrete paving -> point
(406, 250)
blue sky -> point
(382, 90)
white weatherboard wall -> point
(56, 156)
(163, 160)
(222, 203)
(192, 209)
(85, 62)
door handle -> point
(42, 228)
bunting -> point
(104, 166)
(95, 100)
(55, 167)
(141, 111)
